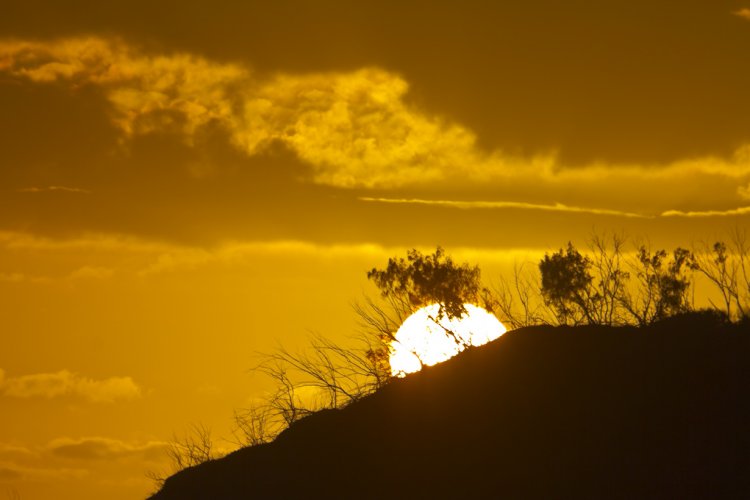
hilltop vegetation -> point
(603, 286)
(543, 412)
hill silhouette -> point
(543, 412)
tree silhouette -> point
(420, 280)
(567, 286)
(662, 284)
(727, 267)
(598, 290)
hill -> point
(542, 412)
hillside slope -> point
(658, 412)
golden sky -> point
(185, 183)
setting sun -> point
(424, 339)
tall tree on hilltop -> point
(567, 286)
(420, 280)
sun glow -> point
(424, 340)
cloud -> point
(100, 448)
(128, 256)
(14, 472)
(66, 459)
(16, 277)
(353, 129)
(708, 213)
(238, 253)
(143, 258)
(15, 451)
(143, 89)
(467, 205)
(558, 207)
(13, 277)
(744, 192)
(8, 472)
(743, 13)
(25, 242)
(180, 258)
(356, 129)
(66, 383)
(52, 189)
(92, 272)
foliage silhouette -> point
(566, 286)
(420, 280)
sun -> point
(422, 339)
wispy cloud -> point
(137, 257)
(468, 205)
(53, 189)
(557, 207)
(743, 13)
(181, 258)
(14, 240)
(707, 213)
(127, 255)
(238, 253)
(66, 383)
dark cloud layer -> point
(636, 90)
(625, 81)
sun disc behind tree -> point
(427, 337)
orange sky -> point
(183, 184)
